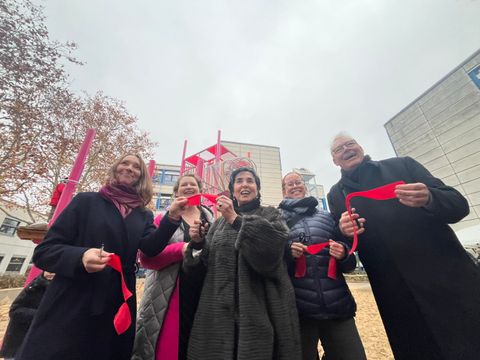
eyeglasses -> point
(348, 145)
(294, 183)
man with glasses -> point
(426, 288)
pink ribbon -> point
(384, 192)
(301, 262)
(123, 317)
(195, 200)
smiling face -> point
(187, 186)
(346, 153)
(293, 187)
(128, 171)
(244, 187)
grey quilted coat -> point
(159, 286)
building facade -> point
(163, 180)
(15, 254)
(268, 165)
(441, 130)
(267, 162)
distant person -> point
(21, 314)
(170, 296)
(247, 305)
(57, 192)
(426, 287)
(75, 320)
(325, 306)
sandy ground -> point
(368, 321)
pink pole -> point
(182, 166)
(69, 190)
(217, 159)
(199, 169)
(217, 152)
(151, 168)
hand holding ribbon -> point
(301, 262)
(384, 192)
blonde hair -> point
(144, 183)
(290, 173)
(177, 183)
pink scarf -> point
(124, 197)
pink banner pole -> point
(217, 158)
(182, 166)
(151, 168)
(69, 190)
(199, 169)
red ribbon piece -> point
(123, 317)
(301, 262)
(195, 200)
(385, 192)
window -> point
(163, 201)
(169, 177)
(16, 263)
(9, 226)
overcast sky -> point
(290, 73)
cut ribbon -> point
(123, 317)
(385, 192)
(195, 200)
(301, 262)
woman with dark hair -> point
(325, 305)
(247, 306)
(75, 320)
(170, 296)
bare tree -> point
(42, 124)
(31, 75)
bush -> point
(12, 281)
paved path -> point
(10, 293)
(359, 285)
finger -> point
(411, 186)
(97, 260)
(94, 268)
(411, 193)
(296, 246)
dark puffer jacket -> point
(317, 295)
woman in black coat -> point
(75, 319)
(21, 314)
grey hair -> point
(341, 134)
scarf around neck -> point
(351, 178)
(251, 205)
(124, 197)
(306, 206)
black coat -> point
(426, 287)
(75, 320)
(21, 314)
